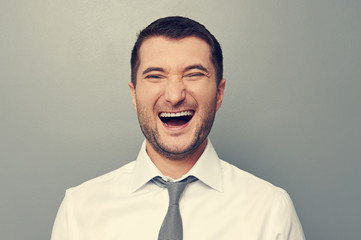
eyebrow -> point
(159, 69)
(151, 69)
(196, 66)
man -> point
(177, 86)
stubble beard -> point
(177, 153)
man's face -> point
(176, 95)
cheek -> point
(146, 91)
(147, 97)
(203, 94)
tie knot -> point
(175, 189)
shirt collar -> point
(207, 169)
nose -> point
(175, 91)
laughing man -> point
(177, 188)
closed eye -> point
(153, 76)
(195, 75)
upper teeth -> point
(178, 114)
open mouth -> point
(176, 119)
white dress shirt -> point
(225, 203)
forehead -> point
(161, 51)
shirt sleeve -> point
(61, 224)
(291, 229)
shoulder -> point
(258, 193)
(247, 184)
(119, 178)
(271, 204)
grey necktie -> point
(172, 228)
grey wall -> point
(291, 113)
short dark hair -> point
(177, 27)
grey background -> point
(291, 113)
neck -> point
(174, 168)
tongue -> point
(175, 122)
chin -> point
(178, 150)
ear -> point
(220, 92)
(132, 93)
